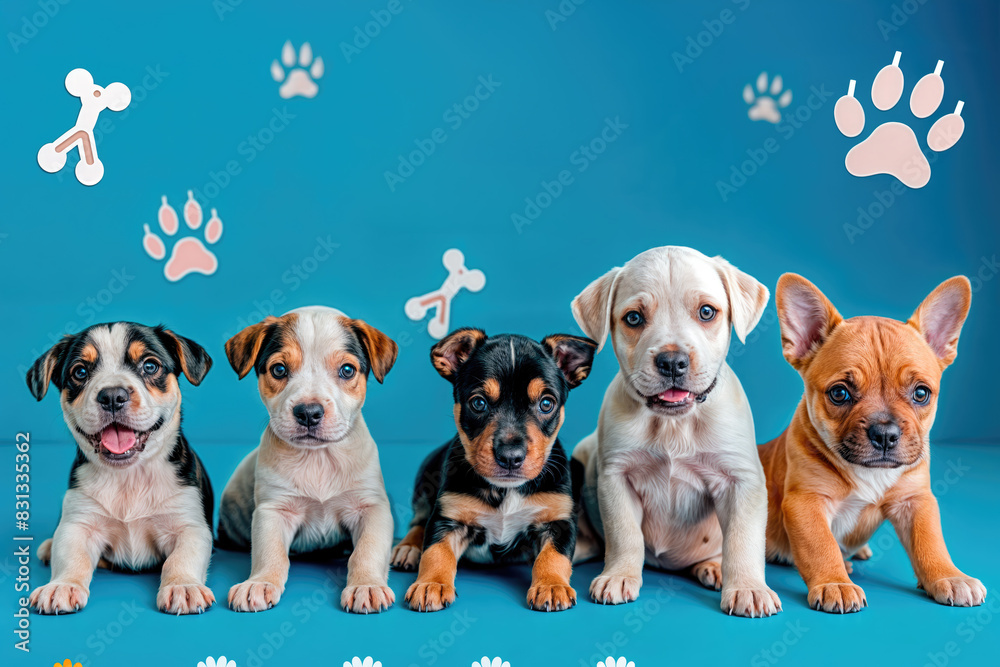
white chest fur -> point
(871, 485)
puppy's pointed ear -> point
(43, 370)
(243, 348)
(747, 297)
(379, 348)
(592, 307)
(940, 317)
(191, 357)
(807, 317)
(451, 352)
(574, 356)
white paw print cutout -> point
(301, 80)
(766, 103)
(621, 662)
(892, 147)
(367, 662)
(486, 662)
(93, 100)
(221, 662)
(439, 300)
(189, 254)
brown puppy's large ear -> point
(592, 307)
(941, 315)
(747, 297)
(454, 350)
(807, 317)
(574, 356)
(243, 348)
(191, 357)
(43, 370)
(380, 349)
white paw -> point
(751, 602)
(367, 599)
(614, 589)
(958, 591)
(405, 557)
(59, 598)
(184, 599)
(253, 596)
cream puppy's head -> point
(669, 312)
(312, 368)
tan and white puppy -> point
(672, 476)
(138, 495)
(314, 481)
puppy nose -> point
(112, 399)
(884, 435)
(308, 414)
(673, 364)
(510, 455)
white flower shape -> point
(610, 662)
(486, 662)
(367, 662)
(221, 662)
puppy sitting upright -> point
(857, 451)
(138, 495)
(500, 490)
(315, 480)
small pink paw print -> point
(189, 254)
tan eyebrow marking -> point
(536, 388)
(492, 389)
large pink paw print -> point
(892, 148)
(189, 254)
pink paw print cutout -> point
(892, 147)
(189, 254)
(439, 300)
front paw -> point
(709, 574)
(367, 599)
(959, 591)
(555, 597)
(59, 598)
(253, 596)
(430, 596)
(184, 599)
(837, 598)
(752, 602)
(614, 589)
(405, 557)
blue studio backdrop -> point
(548, 142)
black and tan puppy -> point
(500, 490)
(138, 495)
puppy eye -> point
(547, 404)
(278, 371)
(347, 371)
(634, 318)
(478, 404)
(839, 394)
(921, 395)
(80, 372)
(149, 367)
(707, 313)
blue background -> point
(323, 177)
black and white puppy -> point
(138, 495)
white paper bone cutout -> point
(93, 100)
(459, 277)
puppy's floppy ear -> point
(592, 307)
(574, 356)
(43, 370)
(380, 349)
(941, 315)
(807, 317)
(747, 297)
(243, 348)
(452, 351)
(191, 357)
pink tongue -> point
(117, 439)
(673, 396)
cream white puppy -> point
(672, 476)
(314, 481)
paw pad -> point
(189, 254)
(766, 103)
(892, 147)
(301, 80)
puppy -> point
(314, 482)
(857, 451)
(672, 476)
(500, 490)
(138, 495)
